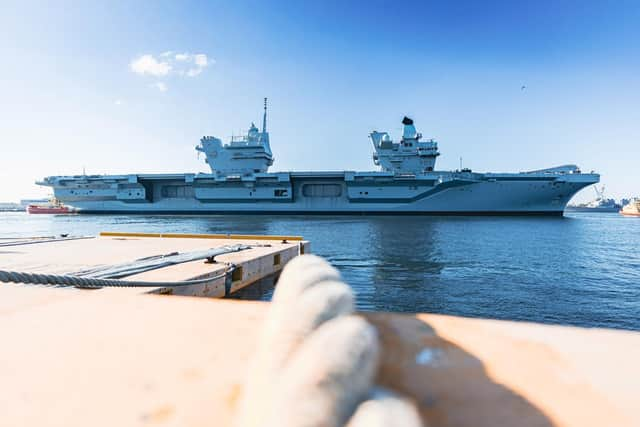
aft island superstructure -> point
(406, 183)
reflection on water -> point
(583, 269)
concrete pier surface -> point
(124, 357)
(267, 255)
(104, 359)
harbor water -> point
(582, 269)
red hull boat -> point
(36, 209)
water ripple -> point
(580, 270)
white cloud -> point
(168, 64)
(200, 60)
(192, 72)
(147, 64)
(118, 102)
(162, 87)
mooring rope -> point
(118, 271)
(95, 283)
(110, 275)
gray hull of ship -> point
(323, 193)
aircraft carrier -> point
(406, 182)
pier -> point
(250, 258)
(123, 356)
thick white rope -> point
(316, 362)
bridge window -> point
(281, 193)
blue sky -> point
(333, 71)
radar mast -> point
(264, 117)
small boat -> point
(54, 207)
(632, 208)
(600, 204)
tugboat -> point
(632, 209)
(53, 207)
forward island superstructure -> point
(407, 183)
